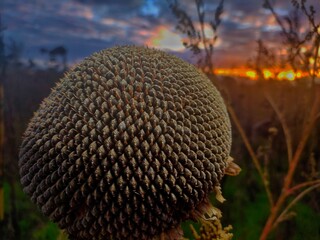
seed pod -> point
(128, 145)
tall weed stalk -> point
(300, 48)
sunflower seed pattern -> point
(127, 145)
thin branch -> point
(194, 232)
(282, 216)
(310, 16)
(315, 65)
(201, 14)
(253, 156)
(284, 125)
(268, 5)
(301, 185)
(311, 120)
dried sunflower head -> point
(128, 145)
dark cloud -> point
(114, 8)
(247, 6)
(131, 3)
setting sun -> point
(288, 75)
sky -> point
(87, 26)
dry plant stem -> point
(252, 153)
(311, 120)
(194, 232)
(270, 224)
(203, 35)
(315, 65)
(282, 216)
(284, 125)
(302, 185)
(275, 15)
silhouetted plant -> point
(300, 48)
(197, 40)
(53, 54)
(15, 50)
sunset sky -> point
(84, 26)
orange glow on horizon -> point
(288, 75)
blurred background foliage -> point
(246, 208)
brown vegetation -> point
(296, 119)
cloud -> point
(60, 22)
(248, 7)
(84, 26)
(164, 38)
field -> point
(255, 104)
